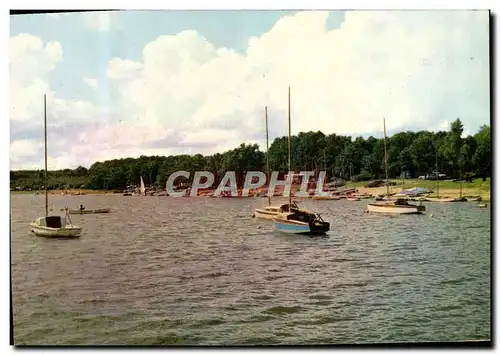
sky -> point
(132, 83)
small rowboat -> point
(102, 210)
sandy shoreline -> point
(362, 190)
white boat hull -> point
(57, 227)
(394, 209)
(265, 214)
(67, 231)
(434, 199)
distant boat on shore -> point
(142, 189)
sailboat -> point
(269, 212)
(143, 188)
(52, 226)
(292, 219)
(398, 206)
(439, 198)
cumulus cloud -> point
(93, 83)
(407, 66)
(30, 63)
(185, 95)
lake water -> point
(160, 270)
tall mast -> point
(437, 174)
(45, 144)
(461, 177)
(290, 180)
(267, 161)
(385, 161)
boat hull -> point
(263, 214)
(102, 210)
(474, 198)
(330, 198)
(68, 231)
(296, 227)
(394, 209)
(434, 199)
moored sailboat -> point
(52, 226)
(269, 211)
(398, 206)
(297, 221)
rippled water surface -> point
(161, 270)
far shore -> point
(485, 194)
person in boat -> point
(82, 208)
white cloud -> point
(415, 68)
(412, 67)
(101, 21)
(93, 83)
(30, 64)
(123, 69)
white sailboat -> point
(52, 226)
(269, 212)
(398, 206)
(143, 188)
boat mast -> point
(437, 174)
(289, 153)
(45, 145)
(267, 162)
(461, 177)
(385, 161)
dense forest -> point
(410, 154)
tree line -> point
(409, 154)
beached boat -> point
(52, 226)
(353, 198)
(294, 220)
(444, 199)
(364, 196)
(142, 188)
(398, 206)
(328, 197)
(473, 198)
(101, 210)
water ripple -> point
(160, 271)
